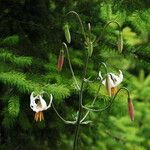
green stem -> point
(105, 67)
(82, 27)
(103, 109)
(65, 121)
(95, 95)
(80, 107)
(71, 69)
(119, 27)
(91, 104)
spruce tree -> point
(31, 39)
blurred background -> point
(31, 36)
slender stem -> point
(65, 121)
(71, 69)
(124, 88)
(80, 107)
(114, 136)
(82, 27)
(105, 67)
(111, 102)
(95, 95)
(98, 110)
(78, 118)
(113, 22)
(91, 104)
(119, 27)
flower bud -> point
(108, 87)
(60, 60)
(89, 26)
(67, 33)
(90, 48)
(131, 109)
(120, 42)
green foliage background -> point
(31, 33)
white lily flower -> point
(38, 104)
(111, 82)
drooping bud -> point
(67, 33)
(60, 60)
(131, 109)
(108, 87)
(120, 42)
(89, 26)
(90, 48)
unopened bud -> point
(120, 42)
(108, 87)
(131, 109)
(60, 61)
(67, 33)
(90, 48)
(89, 26)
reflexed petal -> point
(120, 75)
(50, 102)
(116, 79)
(100, 75)
(111, 83)
(43, 103)
(33, 105)
(31, 96)
(32, 99)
